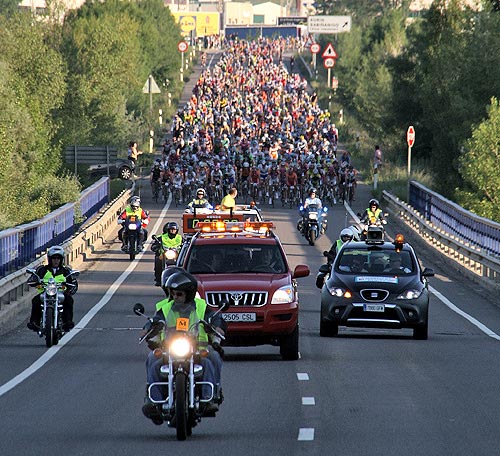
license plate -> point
(238, 316)
(374, 307)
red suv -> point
(244, 263)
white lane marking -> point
(308, 401)
(302, 377)
(463, 314)
(51, 352)
(306, 434)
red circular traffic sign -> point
(182, 46)
(329, 62)
(315, 48)
(410, 136)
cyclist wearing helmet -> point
(134, 208)
(180, 288)
(169, 239)
(373, 214)
(56, 269)
(200, 202)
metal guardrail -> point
(13, 288)
(454, 219)
(25, 243)
(477, 260)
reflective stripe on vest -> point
(171, 317)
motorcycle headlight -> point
(410, 294)
(180, 347)
(171, 254)
(51, 289)
(313, 216)
(283, 295)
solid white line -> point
(308, 401)
(306, 434)
(51, 352)
(463, 314)
(302, 377)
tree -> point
(479, 166)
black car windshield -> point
(234, 258)
(375, 261)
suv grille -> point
(237, 298)
(374, 295)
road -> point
(366, 392)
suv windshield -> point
(205, 259)
(378, 261)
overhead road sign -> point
(328, 24)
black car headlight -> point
(410, 294)
(338, 291)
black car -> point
(122, 168)
(375, 284)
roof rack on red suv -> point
(245, 264)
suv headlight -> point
(338, 292)
(410, 294)
(283, 295)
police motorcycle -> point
(309, 225)
(167, 255)
(375, 222)
(52, 298)
(132, 235)
(182, 371)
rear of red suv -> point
(250, 271)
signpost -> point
(410, 139)
(328, 24)
(315, 48)
(182, 47)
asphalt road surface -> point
(366, 392)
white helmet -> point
(346, 235)
(135, 202)
(56, 251)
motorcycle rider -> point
(134, 208)
(169, 239)
(180, 288)
(373, 214)
(312, 199)
(346, 235)
(56, 269)
(200, 202)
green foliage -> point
(479, 166)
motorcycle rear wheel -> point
(50, 331)
(181, 407)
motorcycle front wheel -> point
(131, 247)
(50, 331)
(312, 236)
(181, 406)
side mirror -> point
(138, 309)
(301, 270)
(325, 269)
(428, 272)
(154, 237)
